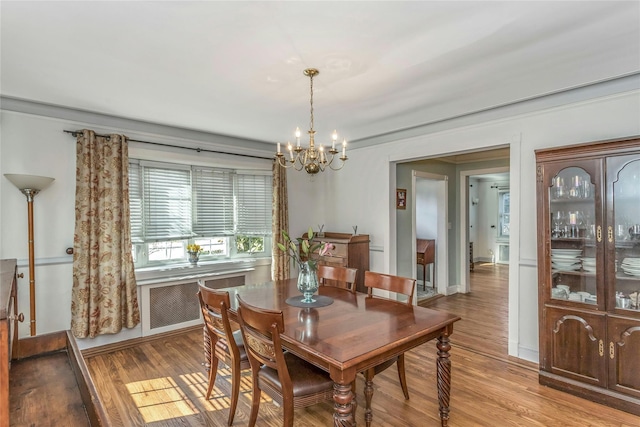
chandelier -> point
(312, 159)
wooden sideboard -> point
(349, 251)
(8, 331)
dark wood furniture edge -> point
(90, 397)
(589, 392)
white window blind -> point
(254, 204)
(135, 202)
(213, 202)
(166, 202)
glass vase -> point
(308, 281)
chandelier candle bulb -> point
(278, 148)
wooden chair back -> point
(261, 329)
(221, 343)
(304, 385)
(214, 305)
(341, 277)
(387, 282)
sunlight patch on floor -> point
(160, 399)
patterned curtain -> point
(104, 296)
(280, 212)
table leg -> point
(443, 364)
(368, 395)
(344, 410)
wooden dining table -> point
(355, 332)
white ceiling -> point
(235, 68)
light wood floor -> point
(162, 383)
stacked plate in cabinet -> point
(631, 266)
(565, 259)
(589, 264)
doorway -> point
(429, 222)
(484, 227)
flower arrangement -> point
(194, 249)
(300, 252)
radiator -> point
(174, 304)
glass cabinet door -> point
(624, 234)
(574, 227)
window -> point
(504, 210)
(226, 212)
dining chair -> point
(290, 381)
(225, 345)
(400, 285)
(340, 277)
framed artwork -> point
(401, 198)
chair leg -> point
(213, 371)
(402, 377)
(424, 277)
(368, 396)
(235, 390)
(287, 410)
(255, 403)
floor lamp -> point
(30, 185)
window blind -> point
(135, 202)
(166, 203)
(254, 204)
(213, 202)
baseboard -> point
(109, 348)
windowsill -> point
(204, 268)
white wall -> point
(426, 209)
(363, 192)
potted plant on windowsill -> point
(307, 267)
(194, 252)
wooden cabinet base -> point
(594, 394)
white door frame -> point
(442, 246)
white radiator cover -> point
(173, 304)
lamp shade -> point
(31, 182)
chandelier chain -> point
(311, 101)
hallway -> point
(484, 311)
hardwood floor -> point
(162, 382)
(44, 393)
(483, 311)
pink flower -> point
(325, 249)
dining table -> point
(352, 333)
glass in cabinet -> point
(623, 234)
(574, 228)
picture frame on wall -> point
(401, 198)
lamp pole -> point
(30, 193)
(30, 185)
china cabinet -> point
(588, 202)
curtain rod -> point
(75, 133)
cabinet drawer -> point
(333, 261)
(339, 250)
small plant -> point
(194, 249)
